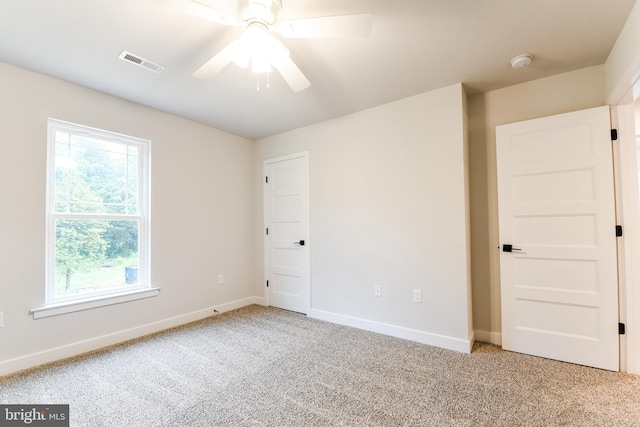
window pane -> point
(63, 164)
(98, 144)
(132, 181)
(95, 255)
(95, 176)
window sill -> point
(87, 304)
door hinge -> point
(614, 134)
(266, 179)
(621, 329)
(267, 283)
(618, 231)
(267, 231)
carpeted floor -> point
(262, 366)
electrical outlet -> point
(377, 290)
(220, 279)
(417, 295)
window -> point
(97, 213)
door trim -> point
(265, 242)
(627, 215)
(621, 98)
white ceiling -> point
(415, 46)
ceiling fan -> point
(258, 47)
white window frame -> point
(142, 289)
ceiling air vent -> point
(140, 61)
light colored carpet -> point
(261, 366)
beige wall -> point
(388, 208)
(202, 213)
(562, 93)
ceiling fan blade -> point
(217, 63)
(206, 10)
(292, 74)
(220, 11)
(358, 25)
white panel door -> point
(556, 208)
(286, 216)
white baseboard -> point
(456, 344)
(234, 305)
(74, 349)
(490, 337)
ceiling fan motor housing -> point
(259, 10)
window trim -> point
(63, 304)
(93, 302)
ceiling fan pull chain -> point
(258, 81)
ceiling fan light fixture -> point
(258, 49)
(276, 51)
(240, 55)
(271, 53)
(260, 63)
(249, 45)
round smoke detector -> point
(521, 61)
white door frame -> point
(265, 273)
(628, 214)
